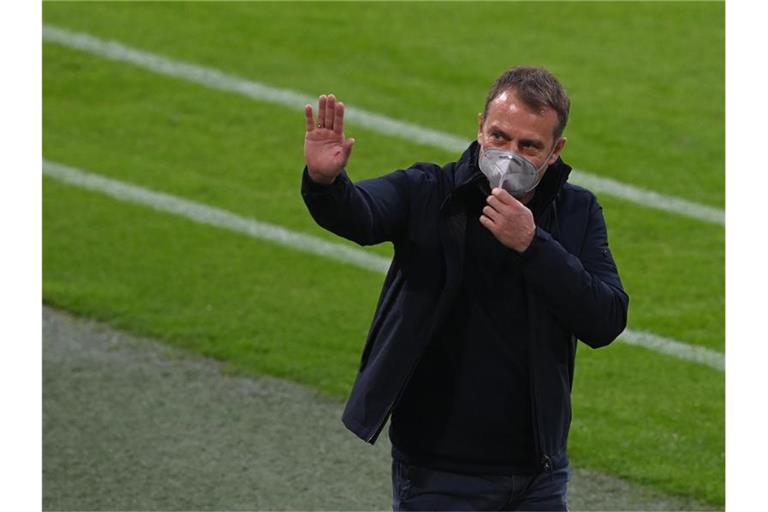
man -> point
(499, 266)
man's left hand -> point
(509, 220)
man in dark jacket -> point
(499, 266)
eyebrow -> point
(538, 144)
(495, 128)
(533, 142)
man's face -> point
(513, 126)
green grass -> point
(646, 79)
(272, 310)
(645, 111)
(262, 307)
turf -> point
(646, 79)
(644, 112)
(132, 424)
(271, 310)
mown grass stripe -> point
(204, 214)
(379, 123)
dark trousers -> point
(418, 488)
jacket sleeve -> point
(368, 212)
(584, 292)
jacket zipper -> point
(544, 461)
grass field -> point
(647, 85)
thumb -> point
(348, 146)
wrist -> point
(527, 241)
(320, 178)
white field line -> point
(379, 123)
(204, 214)
(693, 353)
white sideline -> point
(215, 79)
(205, 214)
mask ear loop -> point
(547, 158)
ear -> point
(556, 153)
(480, 121)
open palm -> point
(326, 151)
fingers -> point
(348, 147)
(308, 116)
(488, 223)
(492, 214)
(503, 196)
(321, 105)
(501, 200)
(338, 119)
(495, 203)
(330, 112)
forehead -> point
(509, 113)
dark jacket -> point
(572, 284)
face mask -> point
(510, 171)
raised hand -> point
(326, 151)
